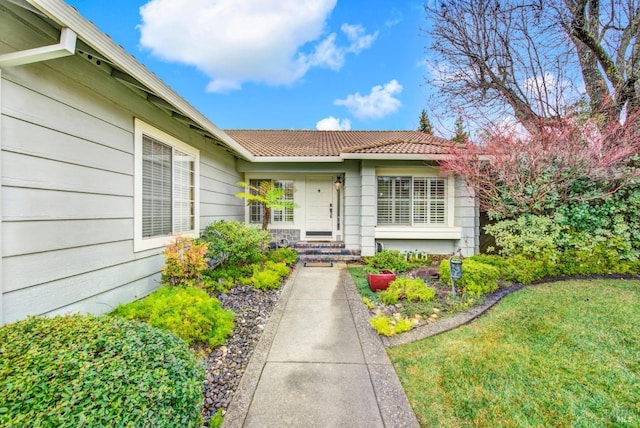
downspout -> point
(66, 47)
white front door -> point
(320, 207)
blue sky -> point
(281, 64)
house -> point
(100, 161)
(369, 189)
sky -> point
(281, 64)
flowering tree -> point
(551, 167)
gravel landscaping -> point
(226, 364)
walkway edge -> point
(239, 406)
(394, 406)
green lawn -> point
(560, 354)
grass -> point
(560, 354)
(360, 279)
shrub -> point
(408, 289)
(477, 278)
(265, 279)
(516, 268)
(390, 326)
(80, 370)
(235, 242)
(184, 262)
(279, 268)
(188, 312)
(529, 235)
(282, 255)
(391, 260)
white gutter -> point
(67, 16)
(392, 156)
(66, 47)
(297, 159)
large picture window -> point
(166, 187)
(407, 201)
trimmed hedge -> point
(73, 371)
(477, 278)
(188, 312)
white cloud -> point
(379, 103)
(235, 41)
(333, 124)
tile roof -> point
(304, 143)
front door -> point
(320, 207)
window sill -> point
(409, 232)
(158, 242)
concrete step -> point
(325, 251)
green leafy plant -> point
(91, 371)
(188, 312)
(185, 260)
(477, 278)
(235, 243)
(368, 303)
(407, 289)
(392, 260)
(530, 236)
(390, 326)
(264, 279)
(267, 195)
(282, 255)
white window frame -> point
(140, 130)
(448, 203)
(274, 213)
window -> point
(410, 201)
(166, 188)
(256, 209)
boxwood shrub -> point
(85, 371)
(188, 312)
(477, 278)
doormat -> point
(318, 264)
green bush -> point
(477, 278)
(282, 255)
(388, 326)
(235, 242)
(185, 262)
(517, 268)
(188, 312)
(264, 279)
(90, 371)
(279, 268)
(408, 289)
(529, 236)
(392, 260)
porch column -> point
(368, 205)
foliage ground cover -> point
(559, 354)
(189, 312)
(79, 370)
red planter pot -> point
(380, 281)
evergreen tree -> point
(461, 134)
(425, 123)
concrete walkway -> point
(318, 363)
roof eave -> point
(393, 156)
(66, 16)
(297, 159)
